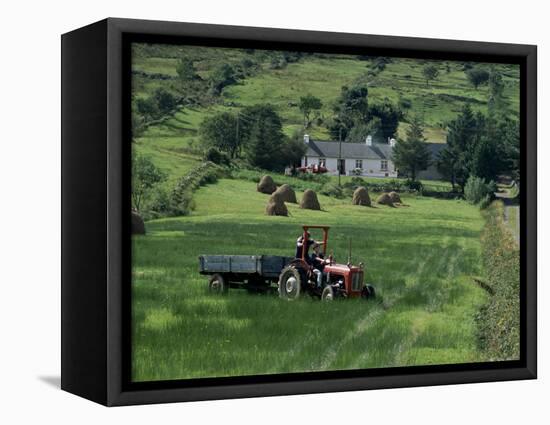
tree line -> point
(254, 133)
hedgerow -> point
(179, 201)
(499, 319)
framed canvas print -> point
(252, 212)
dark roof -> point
(330, 149)
(435, 148)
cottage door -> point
(342, 166)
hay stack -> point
(138, 226)
(266, 185)
(384, 199)
(395, 198)
(310, 201)
(361, 197)
(287, 193)
(276, 205)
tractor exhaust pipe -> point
(349, 255)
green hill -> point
(266, 77)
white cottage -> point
(362, 159)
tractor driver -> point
(318, 262)
(300, 246)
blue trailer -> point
(257, 273)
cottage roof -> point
(330, 149)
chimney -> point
(306, 138)
(369, 140)
(393, 142)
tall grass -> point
(499, 318)
(418, 261)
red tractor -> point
(337, 280)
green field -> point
(420, 258)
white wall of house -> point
(370, 167)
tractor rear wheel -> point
(290, 283)
(327, 294)
(217, 284)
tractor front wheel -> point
(290, 283)
(217, 284)
(368, 292)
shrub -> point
(405, 103)
(498, 320)
(414, 185)
(318, 178)
(485, 202)
(333, 190)
(216, 156)
(476, 189)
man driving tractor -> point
(300, 246)
(316, 260)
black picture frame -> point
(95, 212)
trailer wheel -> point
(328, 294)
(368, 292)
(290, 283)
(217, 284)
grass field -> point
(419, 257)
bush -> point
(216, 156)
(414, 185)
(476, 190)
(405, 103)
(333, 190)
(498, 320)
(318, 178)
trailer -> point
(256, 273)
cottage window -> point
(359, 163)
(322, 162)
(305, 161)
(384, 165)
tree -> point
(446, 166)
(496, 91)
(261, 130)
(508, 135)
(412, 155)
(351, 109)
(389, 116)
(222, 76)
(265, 145)
(307, 105)
(461, 143)
(477, 76)
(293, 150)
(145, 176)
(220, 131)
(430, 72)
(359, 132)
(186, 70)
(148, 108)
(354, 102)
(165, 100)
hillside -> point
(173, 141)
